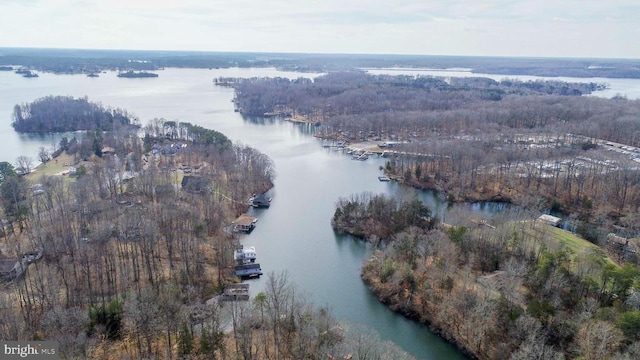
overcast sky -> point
(556, 28)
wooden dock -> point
(235, 292)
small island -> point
(137, 74)
(30, 74)
(64, 113)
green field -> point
(557, 238)
(52, 167)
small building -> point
(10, 268)
(195, 184)
(244, 223)
(108, 150)
(235, 292)
(260, 201)
(624, 248)
(549, 219)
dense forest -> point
(64, 113)
(335, 95)
(509, 289)
(123, 262)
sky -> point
(544, 28)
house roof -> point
(7, 264)
(244, 220)
(550, 219)
(261, 199)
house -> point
(195, 184)
(549, 219)
(260, 201)
(108, 150)
(624, 248)
(10, 268)
(244, 223)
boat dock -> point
(235, 292)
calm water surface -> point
(294, 235)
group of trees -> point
(64, 113)
(507, 290)
(367, 215)
(173, 130)
(356, 93)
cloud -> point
(460, 27)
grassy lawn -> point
(52, 167)
(557, 237)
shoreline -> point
(301, 120)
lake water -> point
(294, 234)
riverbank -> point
(477, 293)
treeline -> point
(356, 93)
(77, 61)
(367, 215)
(511, 290)
(65, 113)
(173, 130)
